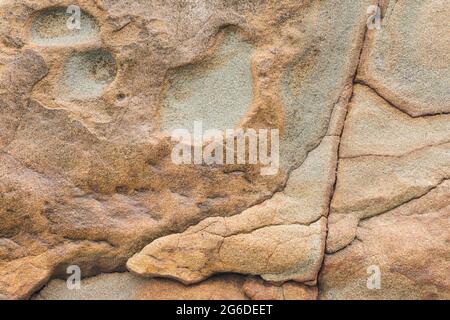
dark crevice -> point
(357, 66)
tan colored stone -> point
(86, 174)
(374, 127)
(390, 210)
(87, 179)
(125, 286)
(408, 244)
(225, 287)
(281, 239)
(258, 289)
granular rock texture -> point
(87, 179)
(125, 286)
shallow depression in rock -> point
(216, 91)
(87, 74)
(49, 28)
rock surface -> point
(407, 63)
(386, 159)
(87, 179)
(410, 247)
(125, 286)
(281, 239)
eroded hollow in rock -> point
(49, 28)
(216, 91)
(87, 74)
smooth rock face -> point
(407, 62)
(315, 80)
(359, 208)
(87, 74)
(374, 127)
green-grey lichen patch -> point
(49, 28)
(217, 91)
(87, 74)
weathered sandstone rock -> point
(407, 61)
(281, 239)
(257, 289)
(86, 174)
(125, 286)
(380, 170)
(390, 210)
(87, 178)
(410, 247)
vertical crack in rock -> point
(407, 61)
(49, 28)
(413, 172)
(392, 186)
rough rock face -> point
(87, 179)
